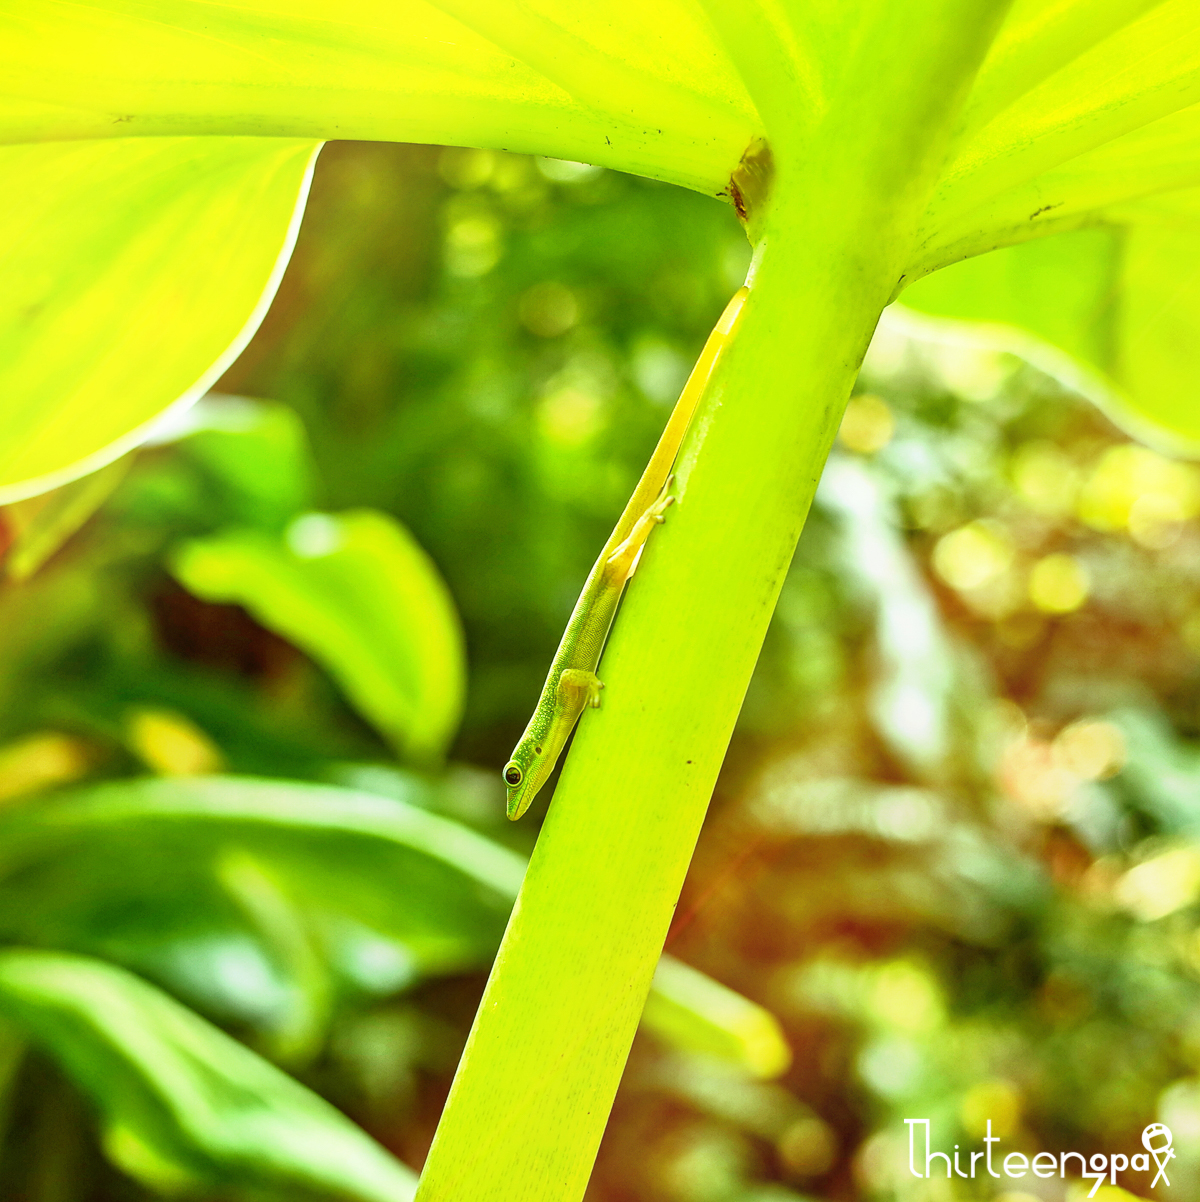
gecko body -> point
(572, 683)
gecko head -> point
(523, 778)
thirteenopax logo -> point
(1156, 1139)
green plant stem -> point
(580, 951)
(542, 1064)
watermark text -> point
(1098, 1167)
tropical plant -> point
(160, 159)
(267, 902)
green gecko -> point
(572, 682)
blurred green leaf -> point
(255, 452)
(1161, 777)
(136, 269)
(265, 898)
(52, 613)
(40, 525)
(1115, 299)
(694, 1013)
(183, 1106)
(359, 595)
(153, 873)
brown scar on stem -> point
(750, 184)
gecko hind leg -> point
(663, 501)
(624, 560)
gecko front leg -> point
(577, 687)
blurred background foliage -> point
(257, 681)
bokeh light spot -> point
(548, 309)
(998, 1101)
(314, 535)
(1046, 479)
(906, 997)
(1162, 885)
(1058, 584)
(868, 424)
(40, 761)
(1156, 518)
(1029, 773)
(971, 372)
(569, 416)
(1135, 489)
(973, 555)
(891, 1066)
(472, 245)
(1090, 749)
(660, 370)
(808, 1147)
(465, 168)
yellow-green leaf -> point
(1145, 70)
(134, 271)
(645, 88)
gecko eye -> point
(513, 775)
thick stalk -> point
(544, 1058)
(590, 921)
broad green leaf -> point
(357, 594)
(254, 452)
(183, 1106)
(1157, 357)
(1085, 116)
(643, 88)
(1089, 190)
(1036, 40)
(1078, 107)
(353, 857)
(134, 271)
(1058, 288)
(125, 230)
(1147, 69)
